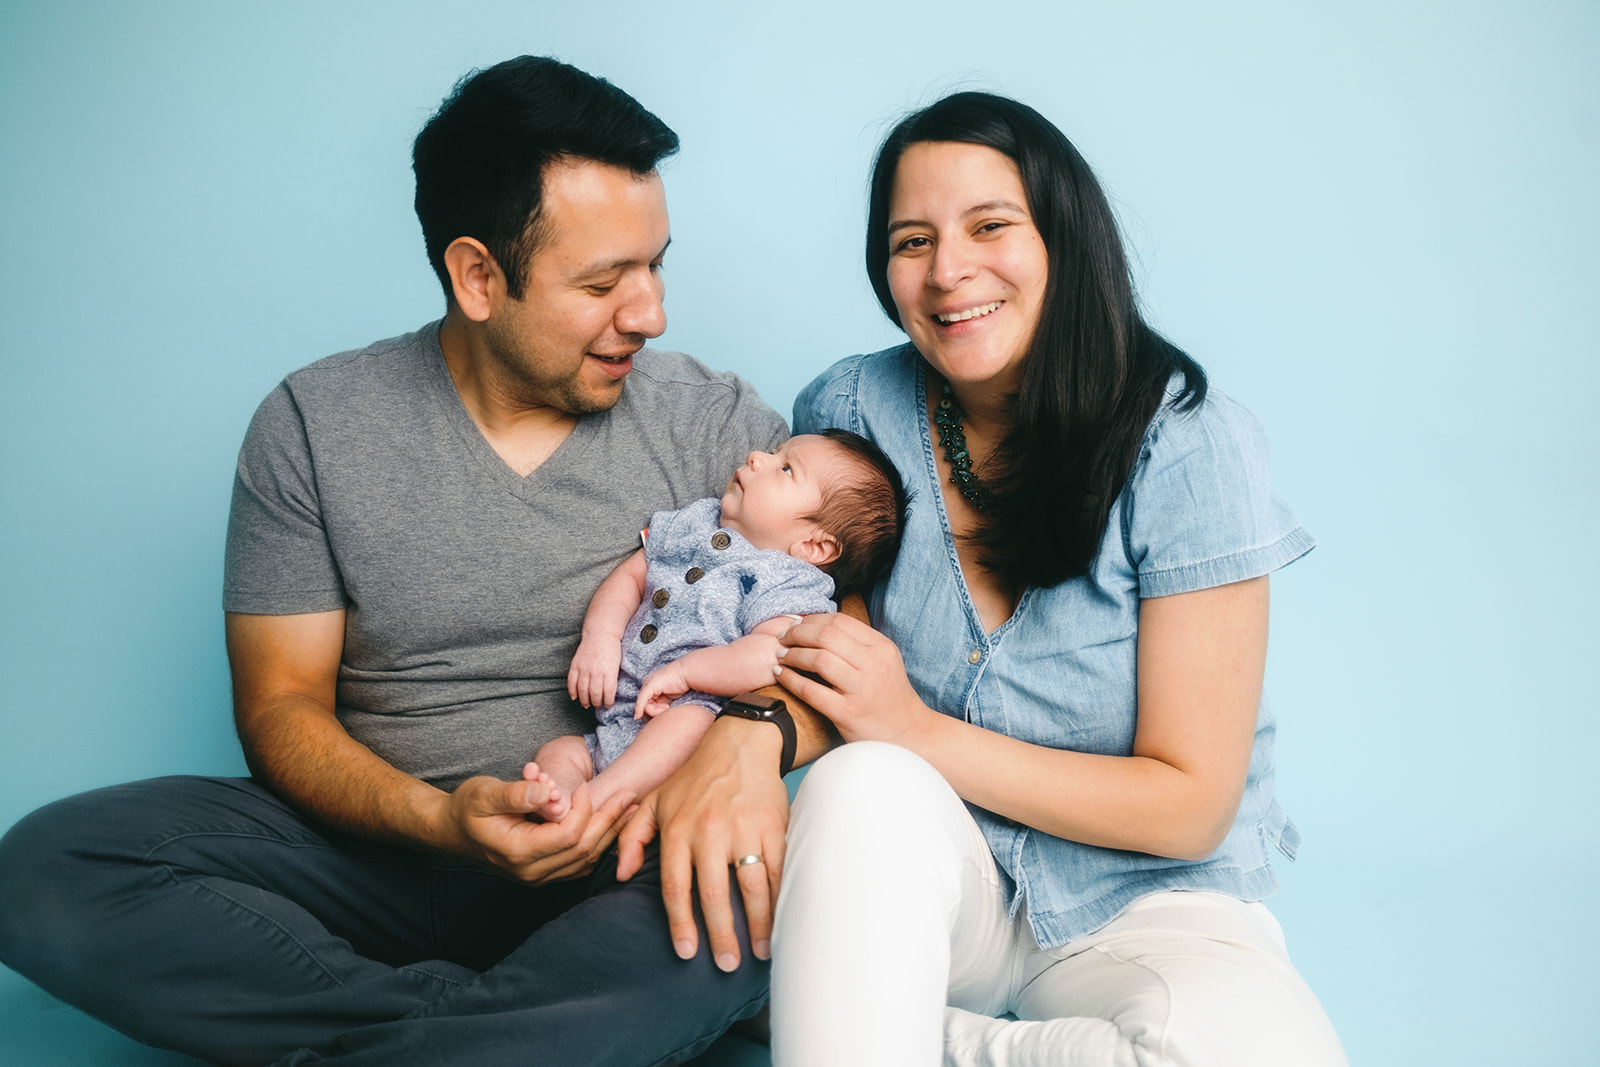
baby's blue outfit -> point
(704, 586)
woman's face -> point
(967, 268)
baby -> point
(820, 516)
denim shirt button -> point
(975, 657)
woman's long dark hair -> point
(1094, 372)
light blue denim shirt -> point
(1197, 512)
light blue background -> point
(1373, 223)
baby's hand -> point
(658, 691)
(592, 681)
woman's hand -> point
(859, 679)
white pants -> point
(892, 947)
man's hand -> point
(490, 824)
(284, 673)
(725, 803)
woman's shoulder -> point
(1215, 422)
(863, 383)
(1199, 509)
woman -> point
(1072, 642)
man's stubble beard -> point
(564, 392)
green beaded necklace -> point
(947, 417)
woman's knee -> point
(870, 806)
(869, 775)
(1191, 979)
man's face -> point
(594, 290)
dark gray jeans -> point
(206, 916)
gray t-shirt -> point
(363, 484)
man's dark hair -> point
(480, 160)
(1095, 371)
(866, 512)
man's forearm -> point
(285, 677)
(303, 753)
(814, 734)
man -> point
(416, 530)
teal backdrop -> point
(1373, 222)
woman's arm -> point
(1200, 663)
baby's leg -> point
(661, 748)
(566, 761)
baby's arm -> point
(722, 670)
(592, 680)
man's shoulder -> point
(380, 360)
(677, 392)
(656, 369)
(382, 385)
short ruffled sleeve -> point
(1199, 510)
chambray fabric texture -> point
(712, 596)
(1197, 511)
(364, 484)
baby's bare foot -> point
(555, 805)
(555, 809)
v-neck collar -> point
(481, 453)
(936, 489)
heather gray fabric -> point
(363, 484)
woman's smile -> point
(967, 268)
(950, 318)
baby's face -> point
(769, 498)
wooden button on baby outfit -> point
(661, 598)
(694, 575)
(720, 540)
(648, 634)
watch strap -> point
(758, 708)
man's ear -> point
(475, 278)
(819, 549)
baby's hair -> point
(867, 513)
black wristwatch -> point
(757, 708)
